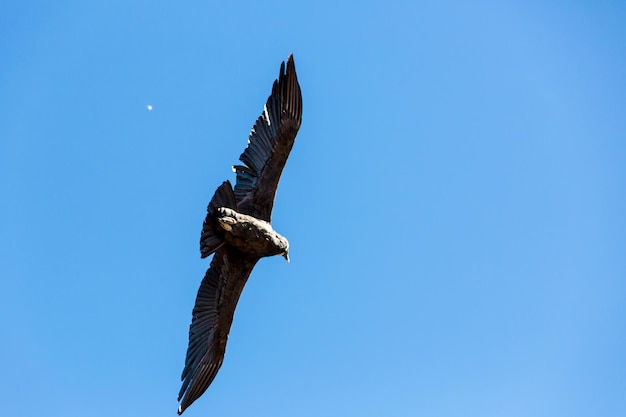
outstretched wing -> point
(212, 317)
(269, 144)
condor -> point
(238, 232)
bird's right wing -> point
(212, 317)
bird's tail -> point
(211, 237)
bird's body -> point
(251, 235)
(237, 230)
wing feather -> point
(211, 320)
(269, 144)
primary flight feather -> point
(237, 230)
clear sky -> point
(455, 203)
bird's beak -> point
(286, 256)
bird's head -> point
(283, 244)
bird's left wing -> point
(269, 144)
(212, 317)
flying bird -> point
(237, 230)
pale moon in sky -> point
(149, 107)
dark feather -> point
(210, 238)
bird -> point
(238, 232)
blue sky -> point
(454, 203)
